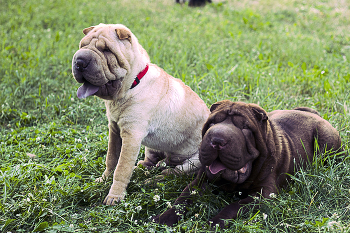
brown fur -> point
(246, 149)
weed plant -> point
(278, 54)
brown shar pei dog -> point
(248, 150)
(144, 105)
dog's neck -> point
(139, 77)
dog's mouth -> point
(106, 91)
(87, 89)
(234, 176)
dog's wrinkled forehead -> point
(240, 113)
(100, 34)
(236, 116)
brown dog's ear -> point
(123, 34)
(217, 104)
(259, 112)
(214, 106)
(87, 30)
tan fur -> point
(161, 112)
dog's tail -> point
(306, 109)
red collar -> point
(139, 77)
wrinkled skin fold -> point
(97, 66)
(160, 112)
(248, 151)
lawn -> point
(278, 54)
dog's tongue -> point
(86, 90)
(216, 167)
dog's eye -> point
(245, 126)
(220, 117)
(84, 43)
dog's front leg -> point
(231, 211)
(173, 215)
(131, 142)
(243, 206)
(114, 146)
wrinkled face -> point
(103, 60)
(228, 147)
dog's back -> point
(306, 125)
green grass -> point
(279, 55)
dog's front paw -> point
(217, 221)
(100, 179)
(169, 217)
(113, 199)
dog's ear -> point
(123, 34)
(214, 106)
(87, 30)
(259, 112)
(217, 104)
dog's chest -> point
(161, 130)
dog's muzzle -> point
(87, 69)
(80, 65)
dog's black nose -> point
(217, 143)
(80, 64)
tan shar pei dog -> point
(249, 151)
(144, 104)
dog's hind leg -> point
(152, 157)
(328, 138)
(187, 164)
(306, 109)
(190, 166)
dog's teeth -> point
(243, 169)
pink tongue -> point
(216, 167)
(86, 90)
